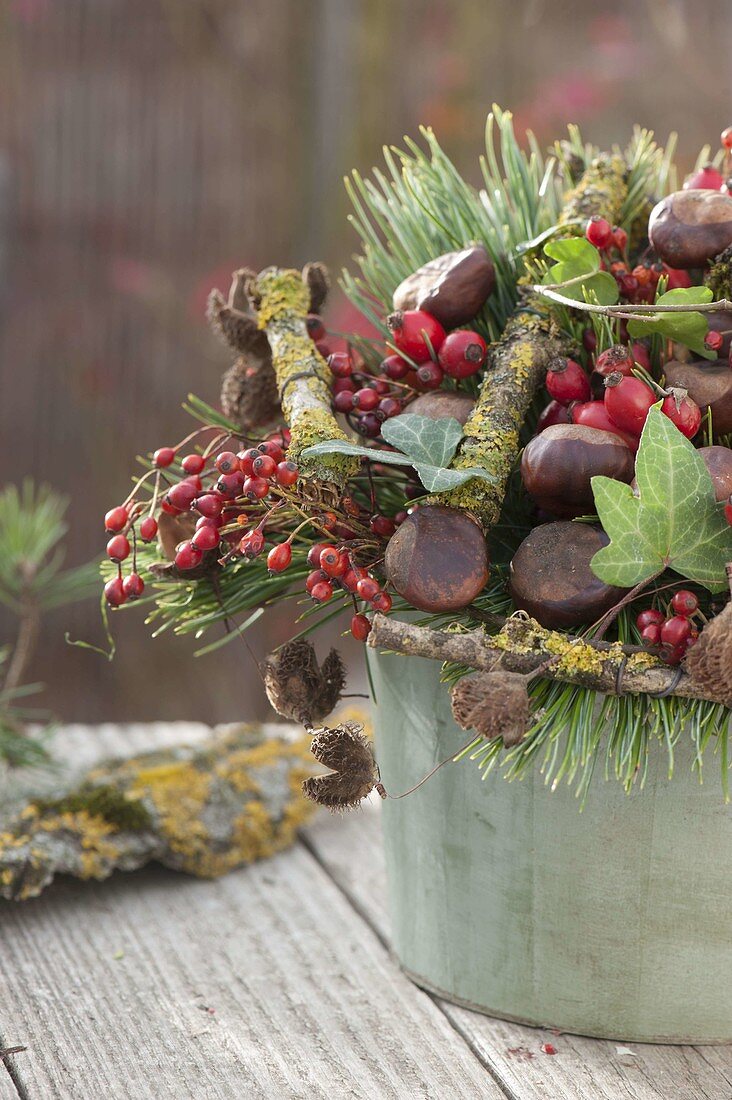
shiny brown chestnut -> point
(707, 383)
(689, 228)
(438, 559)
(718, 461)
(443, 403)
(452, 287)
(557, 466)
(551, 579)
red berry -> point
(227, 463)
(315, 551)
(627, 401)
(726, 138)
(114, 592)
(230, 485)
(672, 654)
(714, 340)
(323, 348)
(118, 548)
(351, 578)
(684, 602)
(368, 425)
(416, 333)
(209, 505)
(388, 407)
(287, 474)
(728, 511)
(340, 364)
(640, 355)
(462, 354)
(273, 448)
(322, 591)
(343, 401)
(360, 628)
(148, 529)
(188, 556)
(382, 602)
(367, 588)
(616, 358)
(651, 634)
(314, 578)
(279, 557)
(169, 508)
(264, 466)
(675, 630)
(206, 537)
(163, 457)
(251, 544)
(706, 178)
(382, 526)
(116, 518)
(381, 386)
(333, 562)
(395, 367)
(133, 586)
(593, 414)
(676, 278)
(684, 413)
(315, 327)
(651, 617)
(429, 376)
(181, 495)
(193, 464)
(620, 238)
(246, 460)
(553, 413)
(599, 232)
(566, 381)
(365, 399)
(256, 488)
(210, 521)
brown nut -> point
(718, 461)
(452, 287)
(443, 403)
(557, 466)
(437, 560)
(707, 383)
(551, 579)
(688, 228)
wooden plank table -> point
(273, 982)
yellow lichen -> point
(282, 293)
(98, 853)
(178, 792)
(602, 190)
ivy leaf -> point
(437, 479)
(345, 447)
(424, 439)
(675, 522)
(683, 328)
(579, 260)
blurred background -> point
(149, 147)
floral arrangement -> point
(527, 475)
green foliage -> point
(674, 522)
(577, 273)
(428, 446)
(684, 328)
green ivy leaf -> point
(437, 479)
(345, 447)
(424, 439)
(675, 521)
(683, 328)
(579, 260)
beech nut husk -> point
(452, 287)
(707, 383)
(443, 403)
(689, 228)
(558, 464)
(438, 559)
(551, 579)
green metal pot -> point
(614, 922)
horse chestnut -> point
(557, 466)
(438, 559)
(550, 576)
(688, 228)
(452, 287)
(707, 383)
(443, 403)
(718, 461)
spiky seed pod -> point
(237, 328)
(249, 396)
(298, 687)
(317, 280)
(348, 753)
(709, 662)
(494, 704)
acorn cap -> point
(494, 704)
(298, 687)
(353, 775)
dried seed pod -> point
(237, 329)
(298, 687)
(438, 559)
(348, 753)
(249, 395)
(707, 383)
(494, 704)
(689, 228)
(709, 661)
(443, 403)
(317, 280)
(558, 465)
(550, 576)
(452, 287)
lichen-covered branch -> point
(522, 646)
(518, 361)
(202, 810)
(282, 299)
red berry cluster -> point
(637, 285)
(672, 634)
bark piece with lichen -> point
(204, 810)
(282, 300)
(518, 361)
